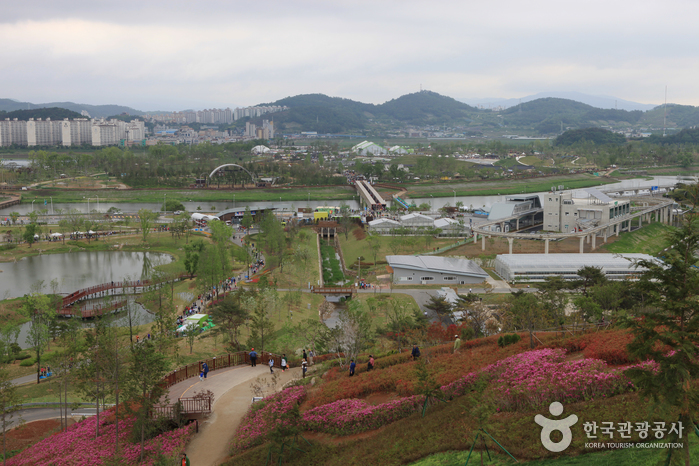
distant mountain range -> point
(429, 110)
(95, 111)
(599, 101)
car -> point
(24, 188)
(177, 212)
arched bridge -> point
(231, 165)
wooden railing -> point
(334, 290)
(188, 407)
(219, 362)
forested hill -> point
(598, 136)
(318, 112)
(95, 111)
(549, 114)
(426, 107)
(55, 113)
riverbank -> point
(157, 195)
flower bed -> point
(345, 417)
(78, 446)
(261, 417)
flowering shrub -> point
(263, 415)
(536, 378)
(345, 417)
(78, 446)
(609, 346)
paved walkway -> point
(232, 399)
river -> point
(203, 206)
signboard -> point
(653, 188)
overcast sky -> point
(170, 55)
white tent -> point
(56, 235)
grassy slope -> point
(450, 427)
(625, 457)
(648, 240)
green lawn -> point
(506, 186)
(352, 248)
(651, 239)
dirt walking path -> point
(233, 396)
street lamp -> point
(98, 203)
(454, 196)
(359, 259)
(309, 198)
(50, 197)
(33, 205)
(165, 203)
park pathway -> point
(232, 399)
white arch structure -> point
(231, 165)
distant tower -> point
(665, 114)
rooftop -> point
(437, 264)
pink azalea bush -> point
(345, 417)
(79, 447)
(264, 414)
(523, 381)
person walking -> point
(370, 365)
(253, 358)
(205, 369)
(284, 363)
(457, 344)
(352, 367)
(271, 365)
(310, 357)
(415, 352)
(304, 367)
(304, 354)
(185, 460)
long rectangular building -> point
(432, 270)
(536, 267)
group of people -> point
(370, 363)
(306, 357)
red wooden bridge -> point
(135, 286)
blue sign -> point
(653, 188)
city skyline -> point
(173, 56)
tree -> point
(75, 220)
(553, 298)
(352, 333)
(229, 315)
(71, 340)
(63, 228)
(261, 325)
(589, 277)
(211, 268)
(525, 313)
(37, 307)
(146, 218)
(29, 231)
(147, 368)
(9, 404)
(191, 259)
(374, 241)
(668, 333)
(440, 305)
(345, 220)
(14, 216)
(172, 205)
(247, 218)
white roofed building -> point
(368, 148)
(536, 267)
(432, 270)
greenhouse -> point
(536, 267)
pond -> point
(76, 270)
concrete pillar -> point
(617, 226)
(502, 227)
(510, 240)
(587, 237)
(546, 246)
(582, 244)
(517, 225)
(594, 241)
(483, 247)
(475, 238)
(605, 234)
(640, 222)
